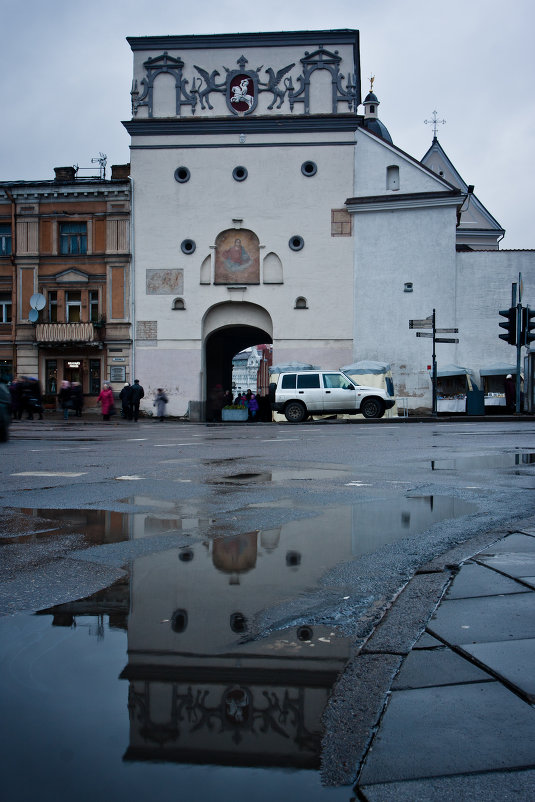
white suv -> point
(325, 392)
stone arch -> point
(228, 328)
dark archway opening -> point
(220, 347)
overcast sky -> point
(66, 72)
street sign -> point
(421, 323)
(447, 331)
(424, 333)
(446, 340)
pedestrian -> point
(106, 402)
(64, 397)
(510, 393)
(126, 401)
(36, 397)
(15, 390)
(216, 402)
(77, 398)
(136, 394)
(26, 396)
(228, 399)
(253, 407)
(160, 402)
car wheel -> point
(295, 412)
(372, 408)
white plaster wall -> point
(484, 287)
(391, 248)
(373, 156)
(276, 201)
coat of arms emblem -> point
(242, 90)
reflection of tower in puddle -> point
(202, 689)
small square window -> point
(73, 238)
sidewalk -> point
(458, 722)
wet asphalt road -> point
(231, 479)
(357, 510)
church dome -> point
(371, 121)
(378, 128)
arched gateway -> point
(227, 329)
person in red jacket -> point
(106, 401)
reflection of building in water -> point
(202, 687)
(200, 691)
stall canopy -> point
(447, 371)
(289, 366)
(371, 374)
(499, 369)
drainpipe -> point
(132, 265)
(14, 276)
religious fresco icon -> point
(237, 257)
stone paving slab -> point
(423, 669)
(478, 580)
(427, 641)
(435, 732)
(516, 565)
(514, 661)
(494, 786)
(488, 619)
(517, 542)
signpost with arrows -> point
(430, 323)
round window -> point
(187, 246)
(296, 242)
(182, 174)
(239, 173)
(309, 168)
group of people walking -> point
(26, 398)
(71, 396)
(130, 397)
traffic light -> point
(509, 326)
(528, 326)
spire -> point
(371, 120)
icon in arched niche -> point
(237, 257)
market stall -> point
(493, 381)
(453, 385)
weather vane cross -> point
(434, 122)
(372, 79)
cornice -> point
(414, 200)
(241, 125)
(239, 40)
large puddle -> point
(484, 462)
(152, 689)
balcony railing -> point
(66, 333)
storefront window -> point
(51, 376)
(94, 376)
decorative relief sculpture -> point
(242, 87)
